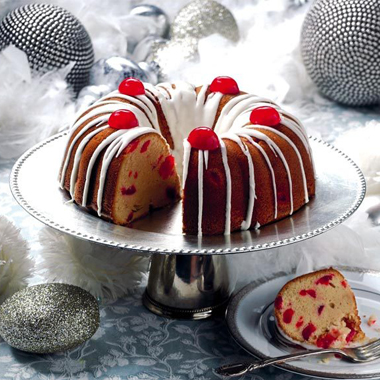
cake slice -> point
(124, 171)
(319, 308)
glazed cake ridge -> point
(173, 111)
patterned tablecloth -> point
(131, 342)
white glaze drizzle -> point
(290, 142)
(77, 157)
(267, 160)
(185, 110)
(227, 229)
(186, 159)
(250, 131)
(205, 154)
(252, 194)
(200, 191)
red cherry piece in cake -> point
(310, 292)
(325, 341)
(265, 115)
(278, 302)
(132, 87)
(128, 191)
(130, 216)
(288, 316)
(123, 119)
(225, 85)
(350, 336)
(132, 146)
(145, 146)
(308, 331)
(203, 138)
(325, 280)
(299, 322)
(344, 284)
(167, 167)
(320, 309)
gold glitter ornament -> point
(202, 18)
(49, 318)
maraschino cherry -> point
(225, 85)
(132, 87)
(203, 138)
(265, 115)
(123, 119)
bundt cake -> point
(319, 308)
(244, 161)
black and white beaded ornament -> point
(51, 37)
(340, 45)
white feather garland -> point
(15, 264)
(107, 273)
(31, 107)
(362, 145)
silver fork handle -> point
(238, 369)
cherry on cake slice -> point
(319, 308)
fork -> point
(362, 354)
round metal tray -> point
(340, 188)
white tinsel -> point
(15, 264)
(108, 273)
(31, 107)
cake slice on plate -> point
(319, 308)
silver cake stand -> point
(189, 276)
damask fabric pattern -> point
(131, 343)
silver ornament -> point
(152, 70)
(182, 50)
(146, 46)
(49, 318)
(90, 94)
(51, 37)
(111, 71)
(201, 18)
(340, 45)
(297, 3)
(157, 15)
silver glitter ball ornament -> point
(340, 45)
(157, 15)
(111, 71)
(201, 18)
(146, 46)
(51, 37)
(174, 50)
(49, 318)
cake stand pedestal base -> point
(188, 286)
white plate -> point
(250, 320)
